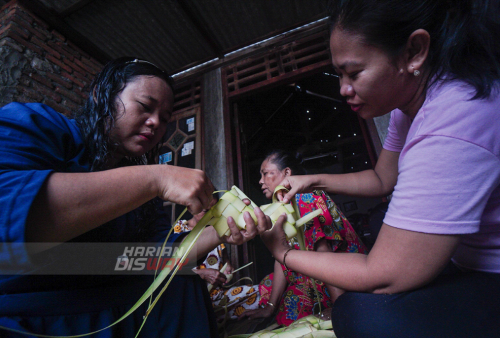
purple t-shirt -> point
(449, 172)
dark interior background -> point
(309, 117)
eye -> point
(354, 75)
(145, 106)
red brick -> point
(40, 22)
(82, 77)
(84, 94)
(11, 34)
(92, 64)
(59, 63)
(72, 105)
(14, 26)
(74, 66)
(41, 34)
(41, 79)
(25, 43)
(58, 107)
(69, 50)
(58, 47)
(73, 79)
(68, 94)
(5, 29)
(46, 47)
(13, 4)
(7, 17)
(86, 67)
(34, 48)
(60, 80)
(47, 92)
(58, 35)
(24, 15)
(30, 93)
(11, 44)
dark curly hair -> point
(465, 34)
(97, 116)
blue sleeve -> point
(35, 141)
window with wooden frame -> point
(181, 145)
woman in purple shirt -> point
(434, 270)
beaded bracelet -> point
(284, 258)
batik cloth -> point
(231, 300)
(300, 298)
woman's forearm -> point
(207, 241)
(401, 260)
(362, 184)
(376, 182)
(279, 284)
(70, 204)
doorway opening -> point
(309, 117)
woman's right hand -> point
(189, 187)
(295, 184)
(265, 312)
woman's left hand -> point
(251, 230)
(275, 239)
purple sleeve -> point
(443, 192)
(399, 125)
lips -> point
(356, 107)
(148, 136)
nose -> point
(261, 181)
(346, 89)
(153, 121)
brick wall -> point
(37, 64)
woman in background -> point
(290, 294)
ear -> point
(417, 50)
(288, 172)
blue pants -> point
(456, 304)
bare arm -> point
(323, 246)
(401, 260)
(376, 182)
(279, 284)
(70, 204)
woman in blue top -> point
(92, 179)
